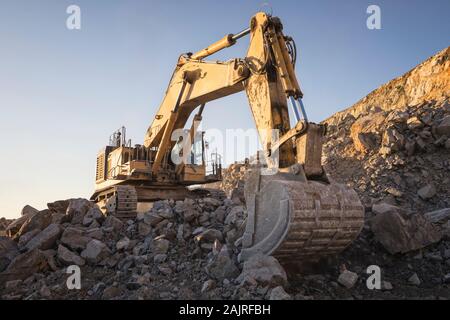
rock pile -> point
(177, 250)
(401, 157)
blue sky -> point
(63, 92)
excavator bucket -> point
(298, 220)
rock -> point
(348, 279)
(123, 244)
(111, 292)
(208, 285)
(152, 218)
(209, 235)
(386, 286)
(443, 128)
(58, 206)
(94, 214)
(414, 123)
(74, 238)
(221, 266)
(383, 207)
(427, 192)
(278, 293)
(50, 256)
(414, 280)
(447, 144)
(25, 238)
(400, 233)
(159, 258)
(446, 278)
(165, 270)
(8, 251)
(112, 222)
(211, 202)
(94, 233)
(40, 221)
(95, 251)
(46, 239)
(266, 270)
(439, 216)
(77, 209)
(160, 246)
(189, 214)
(365, 132)
(12, 285)
(395, 192)
(144, 229)
(68, 257)
(45, 292)
(15, 226)
(28, 211)
(25, 265)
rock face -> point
(391, 145)
(428, 81)
(399, 233)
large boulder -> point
(438, 216)
(94, 214)
(74, 238)
(67, 257)
(28, 211)
(77, 209)
(58, 206)
(25, 265)
(401, 233)
(265, 270)
(221, 266)
(25, 238)
(39, 221)
(95, 252)
(46, 239)
(113, 223)
(366, 134)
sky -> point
(63, 92)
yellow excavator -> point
(295, 211)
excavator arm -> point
(296, 212)
(266, 74)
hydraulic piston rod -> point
(225, 42)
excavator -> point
(295, 211)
